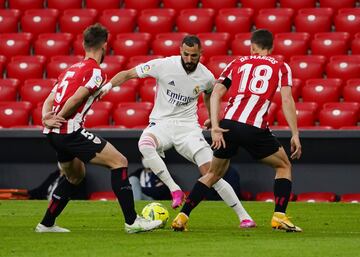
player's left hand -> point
(295, 147)
(218, 138)
(207, 124)
(50, 120)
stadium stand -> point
(313, 20)
(350, 198)
(9, 20)
(195, 21)
(118, 20)
(316, 197)
(234, 20)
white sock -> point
(158, 166)
(227, 193)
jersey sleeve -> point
(226, 76)
(92, 79)
(149, 69)
(210, 84)
(285, 75)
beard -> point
(189, 67)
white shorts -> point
(186, 137)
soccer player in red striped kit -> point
(63, 116)
(251, 81)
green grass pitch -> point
(97, 229)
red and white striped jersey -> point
(86, 73)
(252, 82)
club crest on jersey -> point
(145, 68)
(196, 90)
(98, 80)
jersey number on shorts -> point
(260, 77)
(63, 86)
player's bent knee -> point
(203, 156)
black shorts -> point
(81, 144)
(260, 143)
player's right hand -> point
(105, 89)
(218, 138)
(295, 147)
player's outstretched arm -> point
(288, 107)
(117, 80)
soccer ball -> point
(156, 211)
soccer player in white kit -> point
(173, 121)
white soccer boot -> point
(141, 225)
(40, 228)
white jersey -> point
(176, 91)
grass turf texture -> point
(97, 229)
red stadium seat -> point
(241, 44)
(308, 106)
(348, 20)
(103, 105)
(9, 19)
(26, 67)
(140, 5)
(350, 198)
(130, 44)
(121, 94)
(347, 106)
(313, 20)
(36, 91)
(131, 116)
(25, 5)
(256, 5)
(277, 20)
(112, 64)
(64, 4)
(136, 60)
(203, 113)
(316, 197)
(337, 118)
(103, 196)
(155, 21)
(76, 20)
(289, 44)
(321, 91)
(58, 64)
(8, 89)
(335, 4)
(195, 21)
(217, 63)
(36, 116)
(351, 91)
(234, 20)
(296, 5)
(214, 43)
(119, 20)
(147, 91)
(13, 114)
(97, 117)
(12, 44)
(167, 44)
(52, 44)
(180, 5)
(216, 5)
(103, 4)
(307, 66)
(344, 67)
(331, 43)
(355, 44)
(304, 117)
(295, 91)
(39, 21)
(271, 114)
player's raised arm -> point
(216, 132)
(288, 107)
(118, 79)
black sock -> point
(123, 191)
(282, 191)
(197, 194)
(59, 200)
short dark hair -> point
(191, 40)
(94, 36)
(262, 38)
